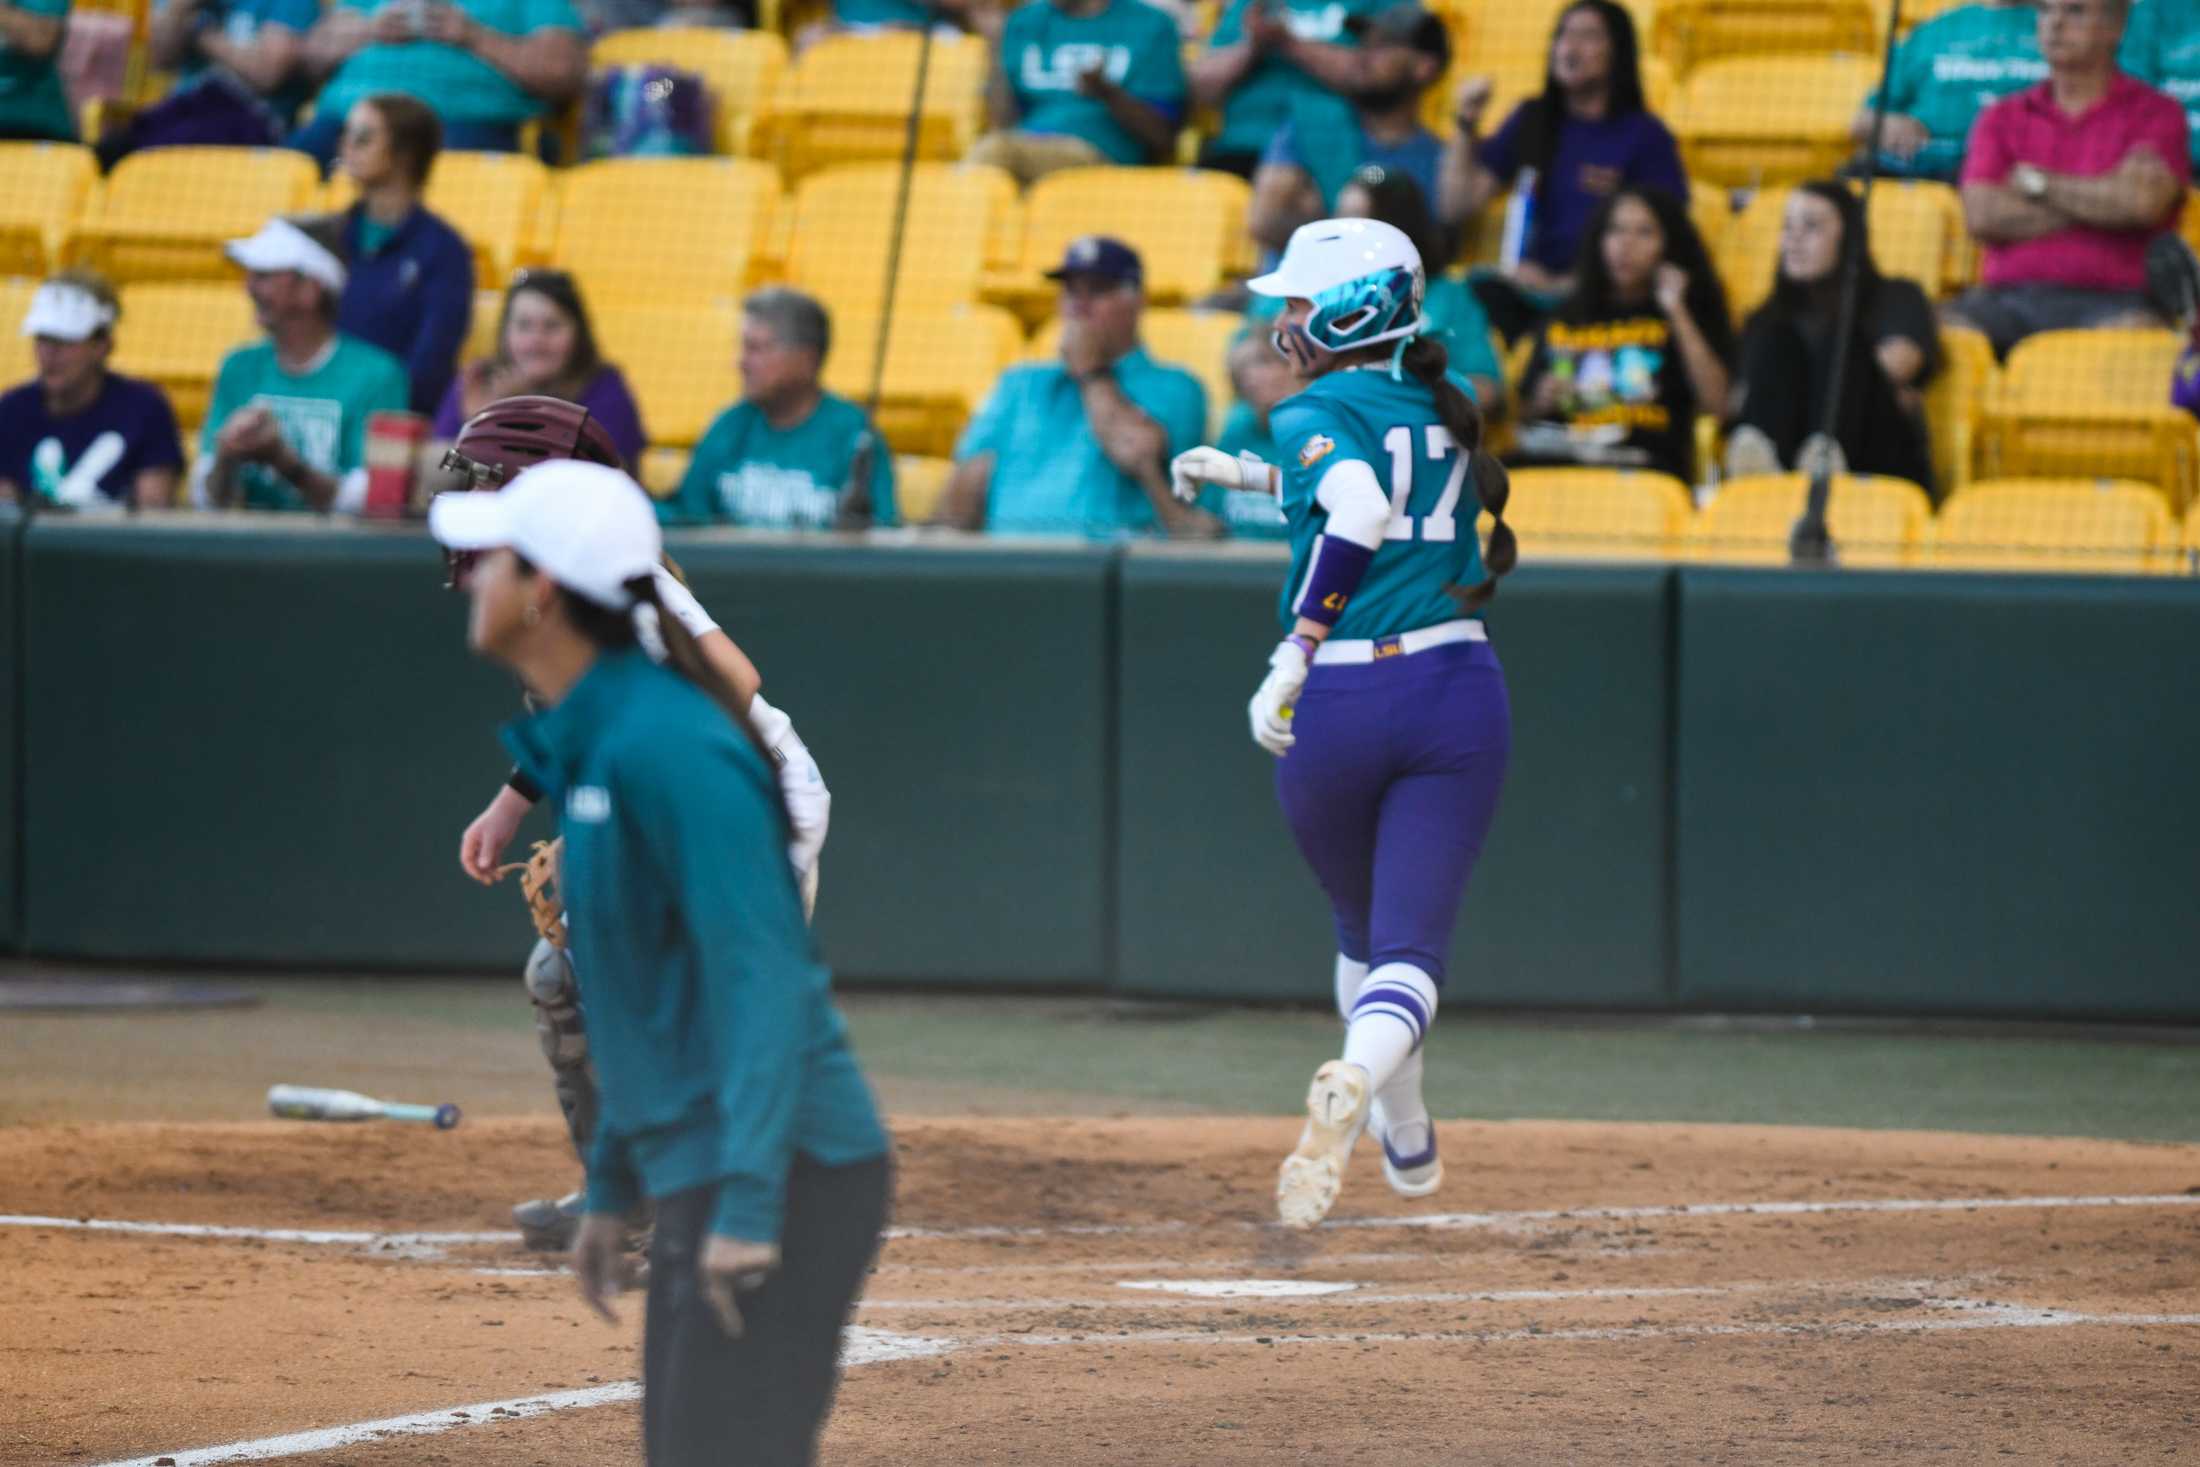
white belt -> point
(1443, 634)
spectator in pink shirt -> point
(2067, 182)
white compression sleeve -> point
(1358, 509)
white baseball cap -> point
(587, 526)
(66, 312)
(282, 245)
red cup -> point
(393, 454)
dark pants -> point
(1390, 792)
(758, 1401)
(1242, 162)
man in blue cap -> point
(1081, 446)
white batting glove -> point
(809, 802)
(1277, 697)
(1197, 466)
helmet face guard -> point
(516, 433)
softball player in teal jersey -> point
(1384, 703)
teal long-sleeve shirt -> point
(718, 1051)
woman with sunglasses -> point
(547, 348)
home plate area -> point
(1071, 1292)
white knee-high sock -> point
(1351, 973)
(1400, 1115)
(1390, 1016)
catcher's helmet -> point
(516, 433)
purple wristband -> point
(1337, 568)
(1305, 644)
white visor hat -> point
(282, 245)
(66, 313)
(588, 527)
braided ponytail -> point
(1429, 362)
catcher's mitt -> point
(539, 884)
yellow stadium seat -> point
(2091, 404)
(745, 71)
(493, 200)
(1197, 341)
(665, 229)
(43, 187)
(165, 214)
(1952, 404)
(919, 481)
(1004, 236)
(1756, 121)
(2191, 225)
(2099, 527)
(177, 334)
(1909, 223)
(1596, 514)
(1689, 33)
(1182, 222)
(1874, 522)
(682, 360)
(847, 100)
(940, 364)
(1508, 41)
(16, 362)
(662, 469)
(481, 333)
(844, 234)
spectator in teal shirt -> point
(1263, 55)
(1080, 83)
(728, 1093)
(257, 45)
(1082, 446)
(33, 105)
(485, 66)
(1949, 70)
(1261, 378)
(286, 427)
(1405, 51)
(789, 455)
(2162, 49)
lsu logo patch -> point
(1334, 601)
(589, 804)
(1317, 448)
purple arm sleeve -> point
(447, 421)
(1332, 575)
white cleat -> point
(1313, 1174)
(1417, 1173)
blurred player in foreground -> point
(1384, 703)
(494, 446)
(730, 1096)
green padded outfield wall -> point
(11, 830)
(260, 743)
(1569, 904)
(957, 702)
(1938, 793)
(256, 745)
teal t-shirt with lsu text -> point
(1391, 425)
(1260, 103)
(322, 412)
(1050, 476)
(2162, 49)
(459, 85)
(32, 101)
(1955, 66)
(1043, 53)
(746, 472)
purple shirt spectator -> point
(606, 397)
(2184, 381)
(2029, 128)
(128, 428)
(1593, 158)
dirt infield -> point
(1108, 1291)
